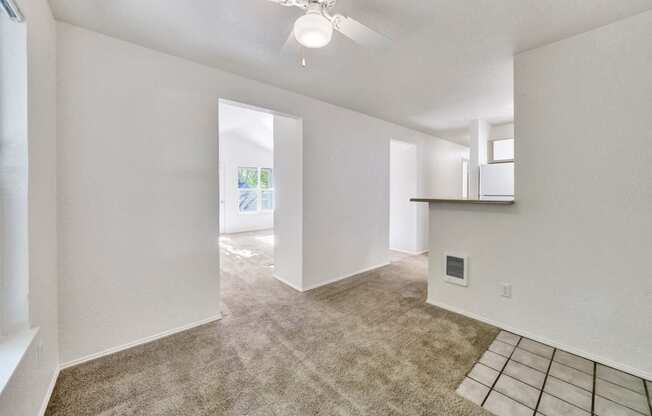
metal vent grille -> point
(455, 267)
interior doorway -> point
(261, 193)
(246, 159)
(403, 185)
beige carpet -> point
(368, 345)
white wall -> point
(576, 244)
(288, 216)
(501, 131)
(462, 136)
(138, 194)
(29, 386)
(238, 151)
(403, 185)
(138, 187)
(443, 168)
(440, 166)
(439, 175)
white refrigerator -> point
(497, 182)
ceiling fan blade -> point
(291, 46)
(291, 3)
(360, 33)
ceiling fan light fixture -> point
(313, 30)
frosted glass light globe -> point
(313, 30)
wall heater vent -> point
(456, 269)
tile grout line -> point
(488, 350)
(526, 350)
(529, 406)
(501, 372)
(647, 394)
(574, 368)
(571, 383)
(534, 387)
(543, 372)
(513, 399)
(539, 388)
(595, 393)
(529, 366)
(536, 353)
(626, 406)
(545, 380)
(621, 386)
(550, 394)
(595, 375)
(521, 381)
(566, 401)
(602, 397)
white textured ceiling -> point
(450, 61)
(248, 124)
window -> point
(248, 187)
(502, 150)
(267, 189)
(256, 189)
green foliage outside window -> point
(266, 180)
(247, 178)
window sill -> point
(262, 212)
(496, 162)
(12, 351)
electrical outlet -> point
(506, 290)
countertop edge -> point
(462, 201)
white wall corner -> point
(140, 341)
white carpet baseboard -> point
(285, 282)
(329, 281)
(337, 279)
(141, 341)
(411, 253)
(601, 360)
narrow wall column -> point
(403, 181)
(479, 136)
(288, 190)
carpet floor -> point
(367, 345)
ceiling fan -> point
(315, 28)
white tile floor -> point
(521, 377)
